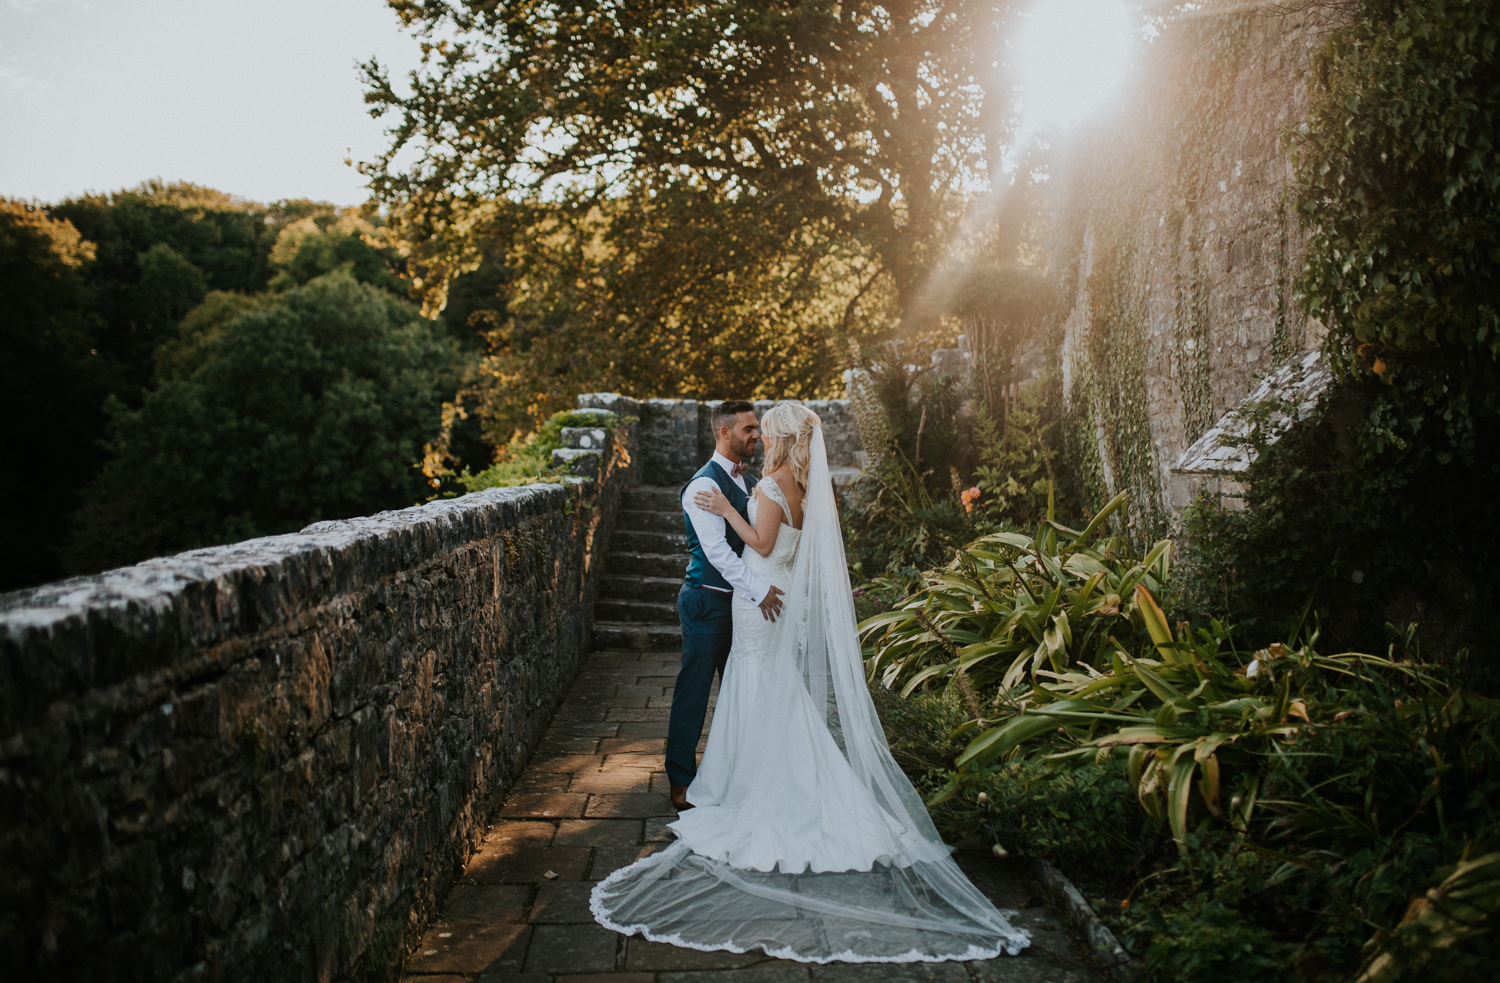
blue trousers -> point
(707, 628)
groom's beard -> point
(743, 449)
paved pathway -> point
(592, 800)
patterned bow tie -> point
(738, 471)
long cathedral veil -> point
(914, 906)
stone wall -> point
(265, 761)
(675, 437)
(1202, 242)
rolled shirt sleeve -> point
(710, 529)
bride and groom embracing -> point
(797, 834)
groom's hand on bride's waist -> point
(770, 606)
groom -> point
(715, 571)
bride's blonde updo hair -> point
(788, 428)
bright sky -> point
(259, 98)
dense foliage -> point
(1381, 509)
(1301, 798)
(946, 463)
(1399, 188)
(158, 249)
(690, 199)
(271, 413)
(116, 296)
(52, 386)
(1370, 535)
(906, 515)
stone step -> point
(625, 635)
(649, 541)
(653, 499)
(641, 519)
(644, 612)
(628, 562)
(630, 587)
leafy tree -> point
(158, 248)
(169, 287)
(52, 383)
(476, 301)
(1399, 186)
(271, 413)
(334, 240)
(703, 198)
(661, 297)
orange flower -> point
(968, 495)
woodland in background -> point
(184, 368)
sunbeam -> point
(1070, 58)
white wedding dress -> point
(806, 840)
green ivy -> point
(1380, 510)
(1102, 251)
(1399, 189)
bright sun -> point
(1070, 57)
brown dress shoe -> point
(679, 798)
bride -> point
(805, 839)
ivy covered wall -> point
(1177, 247)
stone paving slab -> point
(618, 782)
(592, 800)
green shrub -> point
(920, 732)
(1205, 941)
(1010, 604)
(906, 514)
(1085, 820)
(1015, 470)
(1301, 798)
(528, 460)
(1376, 509)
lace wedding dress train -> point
(806, 840)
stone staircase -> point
(637, 605)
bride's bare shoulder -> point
(785, 482)
(787, 495)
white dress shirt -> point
(710, 529)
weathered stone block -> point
(585, 438)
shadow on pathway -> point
(592, 800)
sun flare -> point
(1071, 57)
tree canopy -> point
(271, 412)
(702, 198)
(52, 385)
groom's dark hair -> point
(725, 413)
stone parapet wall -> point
(265, 761)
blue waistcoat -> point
(701, 573)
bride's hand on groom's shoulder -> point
(712, 501)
